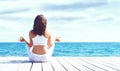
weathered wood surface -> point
(61, 64)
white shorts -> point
(39, 58)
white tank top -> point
(39, 40)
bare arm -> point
(30, 43)
(50, 40)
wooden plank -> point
(114, 61)
(36, 67)
(56, 65)
(88, 65)
(76, 64)
(9, 63)
(108, 63)
(66, 65)
(25, 67)
(61, 64)
(99, 63)
(9, 67)
(46, 66)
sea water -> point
(83, 49)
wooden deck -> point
(61, 64)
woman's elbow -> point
(30, 45)
(51, 44)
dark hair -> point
(39, 26)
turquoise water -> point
(85, 49)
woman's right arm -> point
(50, 40)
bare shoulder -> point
(31, 34)
(48, 33)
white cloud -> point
(81, 24)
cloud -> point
(105, 19)
(74, 5)
(91, 20)
(14, 18)
(13, 10)
(101, 18)
(8, 7)
(66, 18)
(3, 28)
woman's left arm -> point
(30, 39)
(30, 43)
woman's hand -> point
(21, 39)
(57, 39)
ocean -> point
(74, 49)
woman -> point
(40, 47)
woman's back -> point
(39, 40)
(40, 43)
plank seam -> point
(61, 64)
(72, 65)
(108, 66)
(93, 64)
(83, 65)
(31, 66)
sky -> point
(71, 20)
